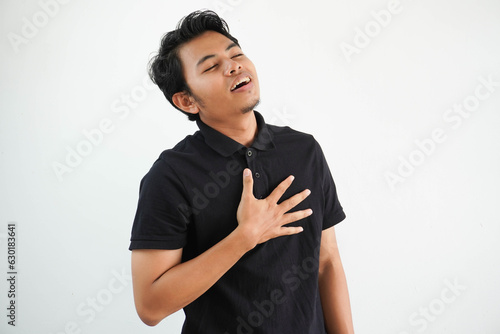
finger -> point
(291, 230)
(247, 183)
(295, 216)
(280, 189)
(294, 200)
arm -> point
(333, 286)
(163, 285)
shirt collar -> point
(226, 146)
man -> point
(235, 223)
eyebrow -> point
(229, 47)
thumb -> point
(247, 183)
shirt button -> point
(249, 153)
(257, 175)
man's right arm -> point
(164, 285)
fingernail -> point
(308, 192)
(246, 172)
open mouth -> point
(242, 82)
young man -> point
(235, 223)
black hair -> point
(165, 68)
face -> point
(223, 81)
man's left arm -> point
(333, 286)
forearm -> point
(335, 299)
(185, 282)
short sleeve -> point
(333, 211)
(159, 221)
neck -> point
(242, 129)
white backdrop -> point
(403, 96)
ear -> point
(185, 102)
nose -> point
(232, 67)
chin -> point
(250, 107)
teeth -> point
(245, 79)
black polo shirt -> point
(189, 199)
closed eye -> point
(211, 67)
